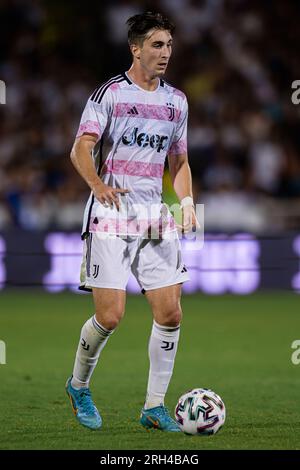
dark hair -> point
(139, 25)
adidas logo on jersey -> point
(156, 141)
(133, 110)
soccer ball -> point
(200, 411)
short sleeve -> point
(95, 115)
(179, 142)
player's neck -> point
(140, 78)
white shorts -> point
(107, 262)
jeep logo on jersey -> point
(158, 142)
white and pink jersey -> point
(136, 129)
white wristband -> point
(187, 201)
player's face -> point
(155, 52)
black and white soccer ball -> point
(200, 411)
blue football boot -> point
(158, 418)
(83, 406)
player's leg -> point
(160, 271)
(167, 314)
(164, 338)
(109, 308)
(105, 270)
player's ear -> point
(135, 50)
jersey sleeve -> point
(95, 115)
(179, 142)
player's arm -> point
(81, 157)
(181, 177)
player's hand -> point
(108, 196)
(189, 219)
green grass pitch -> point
(238, 346)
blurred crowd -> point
(234, 59)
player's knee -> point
(111, 318)
(110, 323)
(171, 316)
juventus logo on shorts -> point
(168, 346)
(96, 270)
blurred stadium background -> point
(236, 61)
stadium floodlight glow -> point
(2, 265)
(296, 278)
(225, 264)
(65, 254)
(2, 92)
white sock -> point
(93, 338)
(162, 351)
